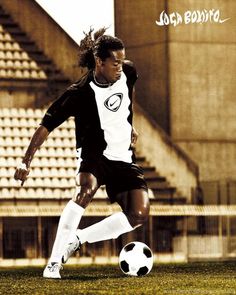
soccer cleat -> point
(52, 271)
(71, 249)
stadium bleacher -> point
(15, 61)
(53, 168)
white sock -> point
(109, 228)
(67, 226)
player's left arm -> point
(134, 134)
(134, 137)
(131, 74)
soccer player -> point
(101, 104)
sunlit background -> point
(77, 16)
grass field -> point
(192, 278)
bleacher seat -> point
(17, 49)
(15, 61)
(54, 165)
(4, 182)
(9, 55)
(6, 193)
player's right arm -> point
(37, 140)
(57, 113)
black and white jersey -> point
(103, 115)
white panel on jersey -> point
(113, 107)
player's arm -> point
(57, 113)
(131, 74)
(37, 140)
(134, 134)
(134, 137)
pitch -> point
(192, 278)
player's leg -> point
(110, 227)
(72, 213)
(135, 206)
(87, 186)
(133, 199)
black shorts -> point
(117, 176)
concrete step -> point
(163, 192)
(170, 201)
(30, 47)
(22, 39)
(6, 21)
(151, 175)
(14, 30)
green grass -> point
(193, 278)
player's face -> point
(109, 71)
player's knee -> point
(85, 189)
(83, 195)
(138, 217)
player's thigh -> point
(86, 187)
(135, 204)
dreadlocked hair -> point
(86, 57)
(97, 45)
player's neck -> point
(100, 79)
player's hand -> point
(134, 137)
(21, 173)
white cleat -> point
(71, 249)
(52, 271)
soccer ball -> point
(136, 259)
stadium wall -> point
(41, 27)
(147, 46)
(187, 77)
(202, 86)
(183, 172)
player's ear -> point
(99, 62)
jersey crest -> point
(113, 102)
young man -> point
(101, 104)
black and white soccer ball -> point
(136, 259)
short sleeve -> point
(59, 111)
